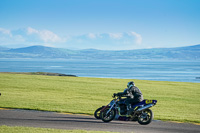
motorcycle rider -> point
(133, 94)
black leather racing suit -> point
(133, 94)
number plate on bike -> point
(148, 101)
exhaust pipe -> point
(145, 107)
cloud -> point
(137, 36)
(92, 35)
(7, 37)
(29, 36)
(5, 31)
(105, 41)
(44, 35)
(32, 31)
(116, 35)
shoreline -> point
(71, 75)
(41, 73)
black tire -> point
(145, 117)
(109, 117)
(97, 113)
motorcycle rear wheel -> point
(107, 117)
(145, 117)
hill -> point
(179, 53)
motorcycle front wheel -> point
(97, 113)
(107, 116)
(145, 117)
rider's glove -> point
(114, 94)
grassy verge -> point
(7, 129)
(177, 101)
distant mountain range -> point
(179, 53)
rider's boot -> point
(129, 109)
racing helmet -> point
(130, 84)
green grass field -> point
(7, 129)
(177, 101)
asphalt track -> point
(41, 119)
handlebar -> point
(116, 96)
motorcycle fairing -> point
(143, 103)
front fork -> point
(110, 109)
(107, 107)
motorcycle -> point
(117, 109)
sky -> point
(100, 24)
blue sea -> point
(182, 71)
